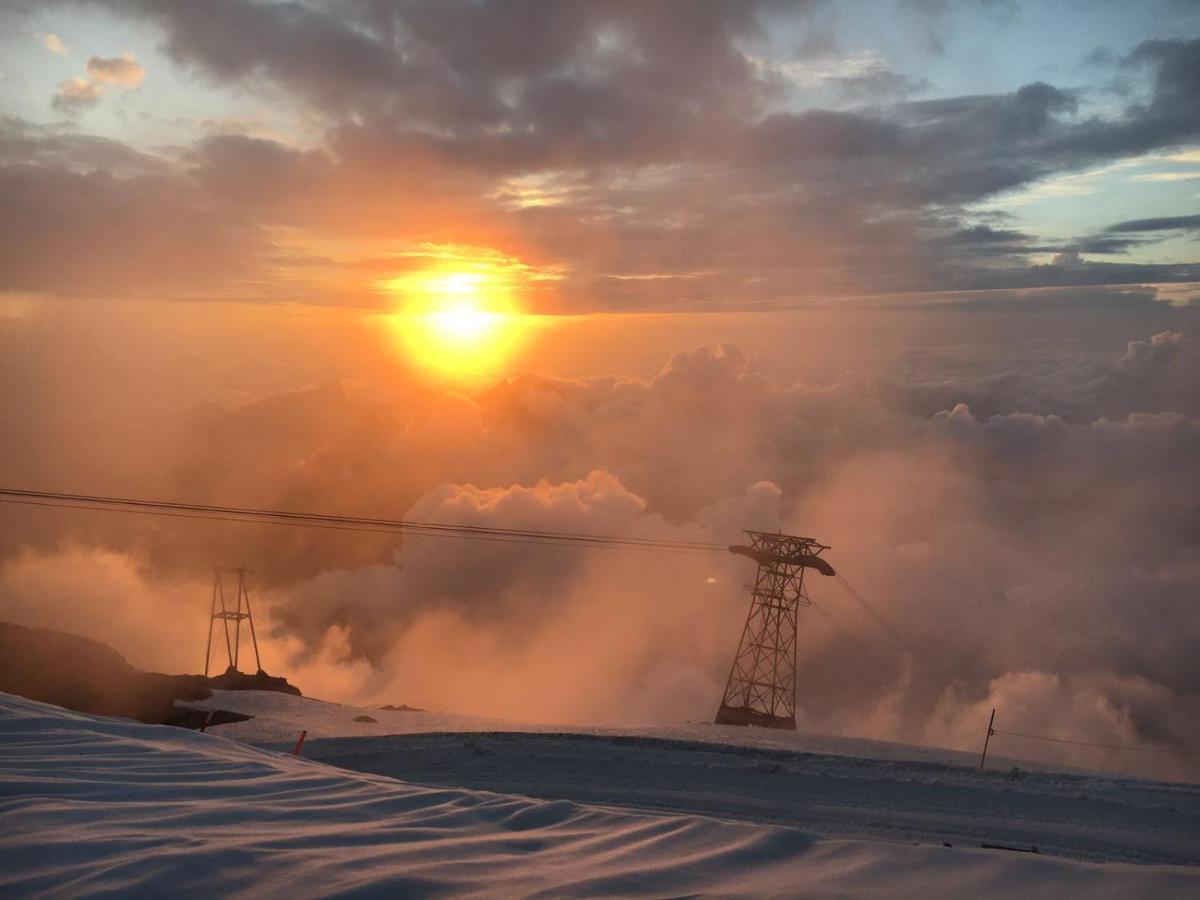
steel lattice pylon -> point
(762, 682)
(240, 612)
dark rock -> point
(90, 677)
(364, 719)
(195, 718)
(401, 708)
(233, 680)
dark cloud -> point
(663, 144)
(879, 84)
(88, 216)
(1176, 66)
(1103, 245)
(1162, 223)
(624, 75)
(24, 143)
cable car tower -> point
(239, 613)
(762, 682)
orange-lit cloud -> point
(54, 44)
(76, 94)
(124, 70)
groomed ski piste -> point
(425, 804)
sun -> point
(460, 323)
(462, 307)
(464, 323)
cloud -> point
(1162, 223)
(670, 138)
(78, 588)
(25, 144)
(90, 216)
(854, 77)
(123, 71)
(75, 95)
(54, 44)
(457, 61)
(1028, 528)
(1167, 176)
(1027, 531)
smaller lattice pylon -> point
(237, 613)
(762, 681)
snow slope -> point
(829, 796)
(279, 718)
(104, 805)
(830, 787)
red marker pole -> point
(299, 743)
(207, 719)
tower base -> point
(742, 715)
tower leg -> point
(250, 618)
(237, 626)
(212, 617)
(225, 618)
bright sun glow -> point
(461, 323)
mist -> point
(1033, 536)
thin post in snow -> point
(299, 743)
(987, 737)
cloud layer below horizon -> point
(1031, 534)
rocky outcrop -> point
(233, 680)
(87, 676)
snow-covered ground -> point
(827, 786)
(105, 805)
(93, 804)
(279, 718)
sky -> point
(606, 157)
(918, 278)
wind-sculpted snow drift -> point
(93, 805)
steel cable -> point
(347, 523)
